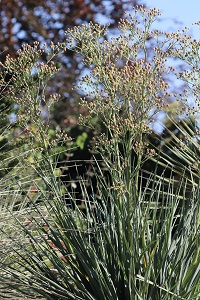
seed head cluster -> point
(126, 87)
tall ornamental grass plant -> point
(138, 235)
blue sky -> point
(185, 11)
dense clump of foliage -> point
(138, 235)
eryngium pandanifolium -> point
(131, 241)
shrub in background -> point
(131, 242)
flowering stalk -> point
(27, 89)
(125, 90)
